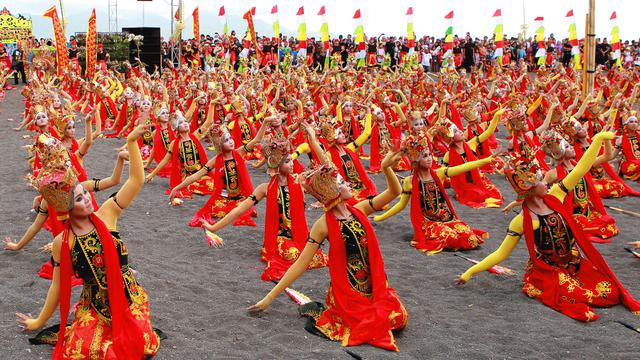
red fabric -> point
(416, 213)
(367, 319)
(540, 156)
(475, 193)
(128, 340)
(550, 295)
(375, 159)
(176, 177)
(246, 187)
(595, 200)
(337, 161)
(159, 152)
(277, 266)
(628, 190)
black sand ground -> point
(198, 295)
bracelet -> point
(313, 241)
(96, 185)
(563, 187)
(254, 198)
(513, 233)
(371, 203)
(446, 171)
(206, 168)
(244, 146)
(41, 210)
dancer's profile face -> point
(82, 205)
(340, 137)
(286, 167)
(417, 125)
(183, 127)
(345, 189)
(569, 151)
(70, 130)
(540, 189)
(458, 135)
(56, 102)
(632, 124)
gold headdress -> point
(415, 145)
(159, 106)
(218, 133)
(553, 144)
(237, 105)
(523, 174)
(322, 184)
(60, 125)
(276, 152)
(56, 179)
(328, 131)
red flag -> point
(613, 16)
(357, 14)
(321, 12)
(253, 10)
(410, 10)
(301, 11)
(221, 12)
(570, 13)
(497, 13)
(274, 9)
(177, 15)
(449, 15)
(539, 18)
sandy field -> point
(198, 295)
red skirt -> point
(285, 255)
(452, 235)
(221, 207)
(597, 226)
(609, 188)
(631, 169)
(89, 336)
(331, 325)
(479, 196)
(203, 186)
(571, 294)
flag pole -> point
(590, 53)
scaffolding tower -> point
(113, 16)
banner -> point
(92, 46)
(221, 12)
(615, 40)
(196, 24)
(252, 33)
(14, 29)
(499, 34)
(573, 40)
(448, 38)
(541, 54)
(62, 56)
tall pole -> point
(590, 51)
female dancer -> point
(283, 242)
(565, 271)
(90, 246)
(361, 305)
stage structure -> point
(150, 50)
(14, 29)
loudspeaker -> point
(150, 50)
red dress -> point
(565, 271)
(630, 167)
(436, 226)
(472, 187)
(361, 306)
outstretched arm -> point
(364, 136)
(400, 205)
(393, 186)
(445, 172)
(317, 235)
(473, 143)
(112, 208)
(582, 167)
(260, 192)
(193, 177)
(501, 254)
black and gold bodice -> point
(189, 157)
(433, 205)
(230, 178)
(284, 212)
(88, 261)
(147, 137)
(635, 145)
(351, 173)
(524, 149)
(357, 254)
(581, 198)
(246, 131)
(166, 139)
(555, 244)
(384, 139)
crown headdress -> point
(523, 174)
(322, 183)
